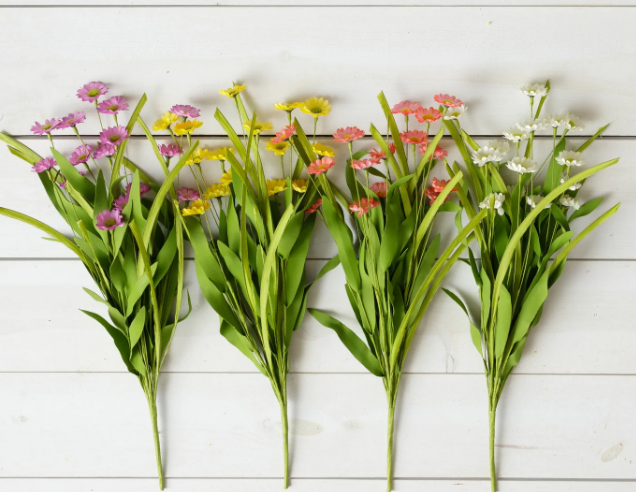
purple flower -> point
(143, 189)
(113, 105)
(170, 150)
(44, 165)
(185, 110)
(109, 220)
(72, 119)
(46, 128)
(104, 150)
(81, 155)
(91, 91)
(120, 202)
(187, 194)
(114, 135)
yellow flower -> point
(259, 126)
(316, 106)
(323, 150)
(187, 126)
(197, 207)
(217, 190)
(275, 186)
(300, 185)
(226, 179)
(288, 106)
(199, 155)
(233, 91)
(278, 148)
(166, 120)
(221, 154)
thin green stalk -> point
(152, 405)
(389, 450)
(492, 412)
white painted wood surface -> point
(72, 420)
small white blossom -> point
(498, 200)
(574, 187)
(533, 201)
(569, 158)
(573, 123)
(568, 201)
(516, 135)
(534, 90)
(557, 120)
(522, 165)
(500, 146)
(455, 113)
(531, 125)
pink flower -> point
(185, 110)
(81, 155)
(314, 207)
(377, 154)
(406, 107)
(120, 202)
(392, 148)
(437, 186)
(414, 137)
(91, 91)
(114, 135)
(170, 150)
(284, 134)
(104, 150)
(348, 134)
(320, 166)
(379, 189)
(439, 152)
(143, 189)
(46, 128)
(187, 194)
(113, 105)
(364, 163)
(73, 119)
(450, 101)
(109, 220)
(44, 165)
(363, 205)
(427, 115)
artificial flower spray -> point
(130, 243)
(527, 225)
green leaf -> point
(291, 234)
(166, 255)
(95, 296)
(295, 270)
(138, 289)
(555, 170)
(586, 208)
(504, 319)
(475, 333)
(121, 148)
(215, 297)
(80, 183)
(395, 133)
(241, 343)
(531, 304)
(559, 216)
(121, 342)
(137, 328)
(340, 233)
(589, 141)
(203, 255)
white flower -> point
(531, 125)
(533, 200)
(455, 113)
(516, 135)
(522, 165)
(568, 201)
(569, 158)
(534, 90)
(573, 123)
(557, 120)
(498, 200)
(574, 187)
(500, 146)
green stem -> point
(152, 405)
(284, 421)
(389, 451)
(493, 472)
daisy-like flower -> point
(314, 207)
(198, 207)
(533, 201)
(226, 178)
(454, 113)
(323, 150)
(363, 163)
(288, 106)
(491, 152)
(220, 154)
(438, 185)
(143, 188)
(73, 119)
(259, 126)
(316, 106)
(379, 189)
(498, 201)
(500, 146)
(414, 137)
(184, 127)
(348, 134)
(573, 123)
(363, 205)
(114, 135)
(320, 166)
(574, 187)
(448, 101)
(406, 108)
(165, 121)
(120, 202)
(233, 91)
(113, 105)
(170, 150)
(286, 132)
(568, 201)
(530, 126)
(90, 92)
(199, 155)
(279, 148)
(556, 120)
(392, 148)
(185, 110)
(299, 185)
(109, 220)
(81, 155)
(439, 153)
(522, 165)
(187, 195)
(534, 90)
(46, 128)
(376, 154)
(275, 186)
(427, 115)
(515, 134)
(217, 190)
(44, 165)
(569, 158)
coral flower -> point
(275, 186)
(376, 154)
(46, 128)
(427, 115)
(316, 106)
(320, 166)
(439, 184)
(113, 105)
(187, 195)
(449, 101)
(90, 92)
(323, 150)
(226, 178)
(73, 119)
(414, 137)
(220, 154)
(299, 185)
(165, 121)
(199, 155)
(438, 152)
(184, 127)
(44, 165)
(114, 135)
(288, 106)
(363, 205)
(170, 150)
(314, 207)
(109, 220)
(279, 148)
(197, 207)
(259, 126)
(284, 134)
(185, 110)
(348, 134)
(233, 91)
(217, 190)
(364, 163)
(81, 155)
(379, 189)
(392, 148)
(406, 108)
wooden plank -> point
(587, 326)
(355, 62)
(319, 3)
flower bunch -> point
(130, 243)
(528, 224)
(396, 268)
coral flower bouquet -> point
(124, 227)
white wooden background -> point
(72, 420)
